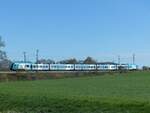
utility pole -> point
(37, 56)
(133, 58)
(24, 56)
(119, 59)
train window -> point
(106, 67)
(102, 67)
(27, 66)
(113, 66)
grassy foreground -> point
(119, 93)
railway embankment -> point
(21, 76)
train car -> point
(127, 66)
(40, 67)
(132, 66)
(61, 67)
(106, 66)
(122, 67)
(21, 66)
(85, 67)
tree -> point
(2, 53)
(69, 61)
(5, 65)
(4, 61)
(89, 60)
(46, 61)
(2, 43)
(145, 68)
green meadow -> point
(117, 93)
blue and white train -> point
(71, 67)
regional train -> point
(71, 67)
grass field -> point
(118, 93)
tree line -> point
(88, 60)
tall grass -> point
(117, 93)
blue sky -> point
(63, 29)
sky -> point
(62, 29)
